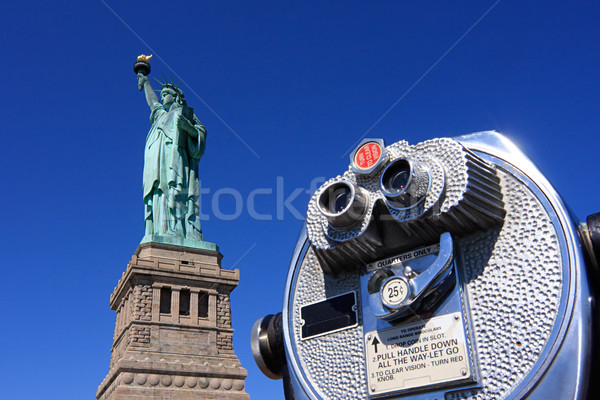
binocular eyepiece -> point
(404, 184)
(343, 204)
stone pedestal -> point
(173, 335)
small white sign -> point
(394, 292)
(404, 257)
(417, 355)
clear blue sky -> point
(300, 83)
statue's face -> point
(167, 97)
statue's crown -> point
(170, 85)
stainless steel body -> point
(512, 306)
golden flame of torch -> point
(144, 58)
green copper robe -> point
(170, 183)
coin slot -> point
(376, 280)
(395, 292)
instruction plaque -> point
(431, 352)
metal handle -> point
(400, 293)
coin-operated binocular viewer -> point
(445, 270)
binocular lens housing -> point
(405, 183)
(267, 345)
(343, 204)
(397, 177)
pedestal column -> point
(158, 355)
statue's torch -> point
(142, 67)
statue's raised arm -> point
(151, 97)
(174, 147)
(142, 69)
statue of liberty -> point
(174, 146)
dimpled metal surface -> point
(333, 363)
(513, 277)
(514, 280)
